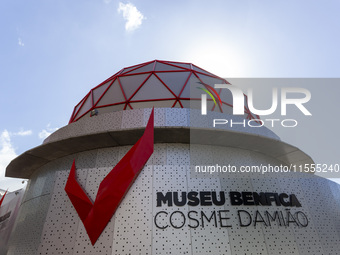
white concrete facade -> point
(48, 223)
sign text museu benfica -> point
(276, 209)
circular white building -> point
(190, 197)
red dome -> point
(155, 83)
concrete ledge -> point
(24, 165)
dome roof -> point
(159, 84)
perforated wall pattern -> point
(25, 238)
(137, 118)
(48, 223)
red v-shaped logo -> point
(3, 197)
(95, 216)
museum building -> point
(140, 169)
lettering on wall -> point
(270, 209)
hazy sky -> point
(52, 52)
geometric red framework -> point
(155, 84)
(95, 216)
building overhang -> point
(25, 164)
